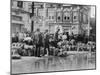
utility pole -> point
(31, 15)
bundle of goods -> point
(62, 48)
(91, 46)
(28, 47)
(80, 46)
(54, 51)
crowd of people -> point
(43, 43)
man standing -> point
(14, 38)
(56, 37)
(37, 41)
(56, 34)
(46, 42)
(21, 36)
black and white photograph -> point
(52, 37)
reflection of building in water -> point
(20, 16)
(72, 18)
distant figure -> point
(37, 42)
(80, 38)
(21, 37)
(72, 36)
(56, 37)
(14, 38)
(67, 36)
(64, 36)
(46, 42)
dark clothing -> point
(38, 40)
(37, 52)
(46, 38)
(53, 44)
(46, 43)
(56, 39)
(67, 34)
(79, 38)
(46, 47)
(56, 36)
(14, 39)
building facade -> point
(20, 16)
(69, 18)
(28, 16)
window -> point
(51, 5)
(65, 17)
(17, 18)
(41, 6)
(85, 19)
(68, 18)
(58, 17)
(52, 17)
(20, 4)
(74, 17)
(49, 17)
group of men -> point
(41, 40)
(44, 40)
(38, 39)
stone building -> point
(70, 18)
(20, 16)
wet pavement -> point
(53, 63)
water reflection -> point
(43, 64)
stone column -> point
(44, 16)
(88, 23)
(36, 11)
(55, 13)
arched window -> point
(49, 17)
(68, 18)
(20, 4)
(65, 18)
(58, 17)
(52, 17)
(75, 17)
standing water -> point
(51, 63)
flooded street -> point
(51, 63)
